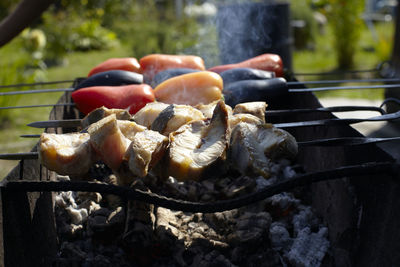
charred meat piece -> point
(199, 146)
(66, 154)
(276, 143)
(208, 109)
(149, 113)
(100, 113)
(254, 108)
(145, 151)
(108, 141)
(254, 147)
(243, 117)
(174, 116)
(130, 128)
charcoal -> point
(278, 231)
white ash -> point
(309, 248)
(103, 230)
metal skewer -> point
(33, 84)
(334, 121)
(329, 142)
(290, 90)
(289, 83)
(40, 106)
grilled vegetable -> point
(255, 90)
(169, 73)
(154, 63)
(267, 62)
(241, 74)
(199, 146)
(111, 78)
(132, 97)
(126, 63)
(190, 89)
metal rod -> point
(291, 90)
(33, 84)
(56, 123)
(40, 106)
(19, 156)
(346, 81)
(319, 89)
(387, 168)
(25, 92)
(347, 141)
(337, 121)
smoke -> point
(235, 30)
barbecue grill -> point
(360, 209)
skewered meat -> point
(149, 113)
(199, 145)
(208, 109)
(254, 108)
(108, 141)
(66, 154)
(145, 151)
(174, 116)
(254, 147)
(100, 113)
(243, 117)
(130, 128)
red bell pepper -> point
(152, 64)
(132, 97)
(126, 63)
(267, 62)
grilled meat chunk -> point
(253, 148)
(100, 113)
(254, 108)
(130, 128)
(243, 117)
(174, 116)
(208, 109)
(149, 113)
(145, 151)
(66, 154)
(199, 146)
(108, 141)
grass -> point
(78, 65)
(322, 59)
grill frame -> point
(350, 207)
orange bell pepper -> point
(268, 62)
(201, 87)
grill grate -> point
(33, 211)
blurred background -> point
(330, 37)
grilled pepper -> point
(268, 62)
(126, 63)
(201, 87)
(131, 97)
(152, 64)
(111, 78)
